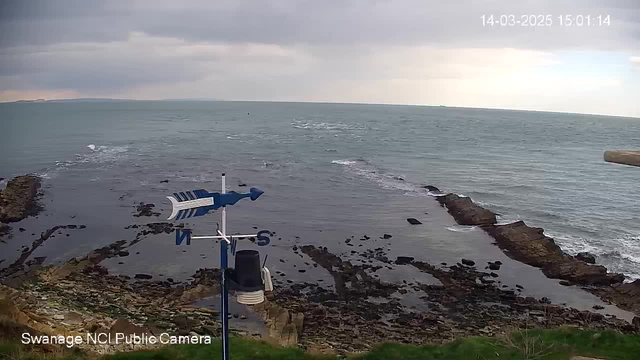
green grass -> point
(558, 344)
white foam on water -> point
(101, 154)
(506, 219)
(326, 126)
(362, 168)
(461, 228)
(344, 162)
(618, 255)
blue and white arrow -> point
(199, 202)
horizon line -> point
(88, 99)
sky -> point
(362, 51)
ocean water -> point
(329, 172)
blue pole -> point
(225, 301)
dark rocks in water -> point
(399, 178)
(468, 262)
(498, 262)
(22, 229)
(530, 246)
(636, 321)
(146, 210)
(432, 189)
(82, 227)
(386, 236)
(4, 229)
(143, 276)
(302, 271)
(466, 212)
(19, 199)
(413, 221)
(493, 274)
(164, 181)
(403, 260)
(519, 286)
(625, 296)
(586, 257)
(123, 253)
(598, 307)
(242, 184)
(494, 266)
(565, 283)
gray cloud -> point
(311, 22)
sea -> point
(329, 172)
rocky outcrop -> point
(626, 296)
(4, 230)
(466, 212)
(284, 326)
(530, 246)
(19, 199)
(626, 157)
(586, 257)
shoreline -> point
(357, 313)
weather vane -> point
(248, 278)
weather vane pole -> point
(200, 202)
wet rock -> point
(530, 246)
(386, 236)
(466, 212)
(4, 229)
(432, 189)
(636, 321)
(164, 181)
(468, 262)
(494, 266)
(145, 210)
(598, 307)
(143, 276)
(403, 260)
(19, 199)
(625, 296)
(413, 221)
(22, 229)
(586, 257)
(565, 283)
(123, 253)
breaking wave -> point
(363, 169)
(461, 228)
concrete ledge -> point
(626, 157)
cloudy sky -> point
(369, 51)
